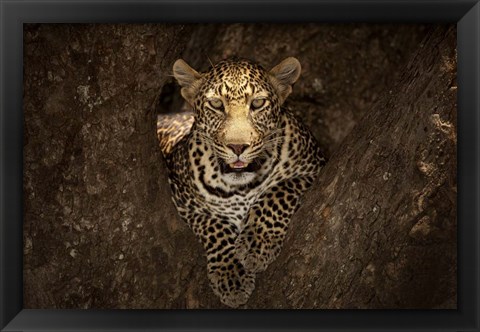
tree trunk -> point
(378, 230)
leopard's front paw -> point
(256, 252)
(254, 261)
(232, 283)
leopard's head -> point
(237, 110)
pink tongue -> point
(238, 164)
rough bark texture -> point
(378, 230)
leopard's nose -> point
(238, 148)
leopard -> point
(238, 166)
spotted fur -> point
(237, 176)
(172, 128)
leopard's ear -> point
(188, 79)
(284, 75)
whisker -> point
(274, 132)
(275, 140)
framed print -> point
(161, 157)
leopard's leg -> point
(261, 239)
(230, 281)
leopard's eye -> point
(216, 103)
(258, 102)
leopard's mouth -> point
(240, 166)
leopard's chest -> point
(214, 199)
(232, 204)
(234, 209)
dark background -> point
(377, 231)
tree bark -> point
(377, 230)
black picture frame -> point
(466, 13)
